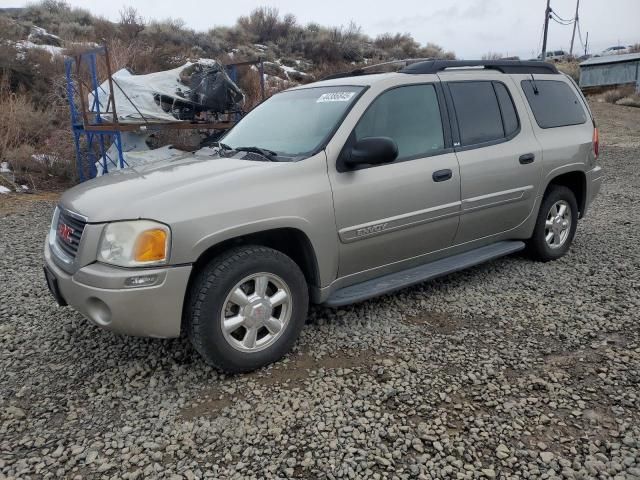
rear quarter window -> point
(555, 104)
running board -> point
(395, 281)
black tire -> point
(537, 245)
(210, 290)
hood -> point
(146, 191)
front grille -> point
(69, 233)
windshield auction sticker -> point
(335, 97)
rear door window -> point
(478, 112)
(554, 105)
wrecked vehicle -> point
(196, 90)
(333, 192)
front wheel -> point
(556, 224)
(247, 308)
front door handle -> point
(527, 158)
(442, 175)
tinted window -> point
(478, 112)
(509, 115)
(409, 115)
(555, 104)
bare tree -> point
(131, 23)
(492, 56)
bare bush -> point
(436, 51)
(400, 45)
(131, 24)
(11, 30)
(492, 56)
(612, 96)
(26, 130)
(265, 25)
(630, 101)
(570, 68)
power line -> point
(561, 21)
(560, 18)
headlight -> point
(135, 243)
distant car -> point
(617, 50)
(555, 56)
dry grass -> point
(570, 68)
(27, 129)
(630, 101)
(614, 95)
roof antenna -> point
(533, 84)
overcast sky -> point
(468, 27)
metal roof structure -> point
(625, 57)
(609, 71)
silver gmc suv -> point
(333, 192)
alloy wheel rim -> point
(256, 312)
(558, 224)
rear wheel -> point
(247, 308)
(556, 224)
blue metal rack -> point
(96, 126)
(88, 142)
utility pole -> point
(575, 24)
(586, 44)
(547, 12)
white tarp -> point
(135, 151)
(162, 96)
(141, 90)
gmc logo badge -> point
(65, 232)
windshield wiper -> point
(222, 146)
(265, 152)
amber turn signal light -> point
(151, 246)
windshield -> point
(293, 123)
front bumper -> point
(99, 293)
(594, 182)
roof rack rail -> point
(504, 66)
(368, 69)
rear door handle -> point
(527, 158)
(442, 175)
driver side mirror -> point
(372, 151)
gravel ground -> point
(512, 369)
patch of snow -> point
(4, 167)
(207, 61)
(41, 32)
(45, 158)
(27, 45)
(260, 46)
(4, 189)
(288, 70)
(25, 187)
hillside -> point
(34, 137)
